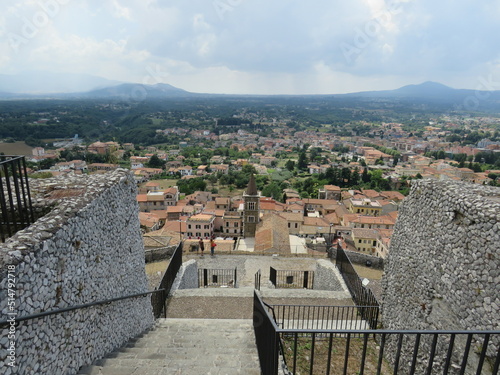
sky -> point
(258, 46)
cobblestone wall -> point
(328, 277)
(88, 248)
(443, 269)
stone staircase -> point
(209, 331)
(185, 347)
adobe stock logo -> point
(224, 6)
(364, 36)
(485, 87)
(31, 26)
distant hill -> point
(428, 91)
(75, 86)
(43, 83)
(134, 91)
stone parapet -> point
(443, 268)
(87, 248)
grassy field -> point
(154, 268)
(165, 184)
(337, 355)
(368, 272)
(16, 148)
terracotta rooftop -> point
(201, 217)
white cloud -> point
(120, 11)
(260, 46)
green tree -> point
(365, 176)
(290, 165)
(155, 162)
(248, 169)
(346, 177)
(272, 190)
(302, 163)
(212, 179)
(191, 185)
(355, 177)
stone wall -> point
(88, 248)
(359, 258)
(156, 255)
(328, 277)
(187, 277)
(443, 269)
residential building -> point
(330, 192)
(294, 221)
(102, 167)
(365, 240)
(364, 206)
(368, 222)
(223, 203)
(200, 225)
(158, 200)
(232, 224)
(98, 148)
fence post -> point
(272, 276)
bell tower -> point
(252, 208)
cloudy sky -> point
(258, 46)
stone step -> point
(185, 346)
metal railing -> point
(387, 352)
(258, 277)
(291, 279)
(266, 337)
(15, 198)
(158, 300)
(322, 317)
(217, 278)
(15, 320)
(158, 296)
(361, 295)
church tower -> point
(252, 208)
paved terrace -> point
(237, 303)
(209, 330)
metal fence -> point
(291, 279)
(387, 352)
(158, 299)
(361, 295)
(320, 317)
(15, 199)
(217, 278)
(258, 277)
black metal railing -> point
(291, 279)
(258, 277)
(387, 352)
(371, 352)
(157, 296)
(15, 198)
(15, 320)
(158, 300)
(361, 295)
(322, 317)
(217, 278)
(266, 337)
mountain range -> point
(77, 86)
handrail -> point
(269, 343)
(4, 323)
(280, 341)
(391, 331)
